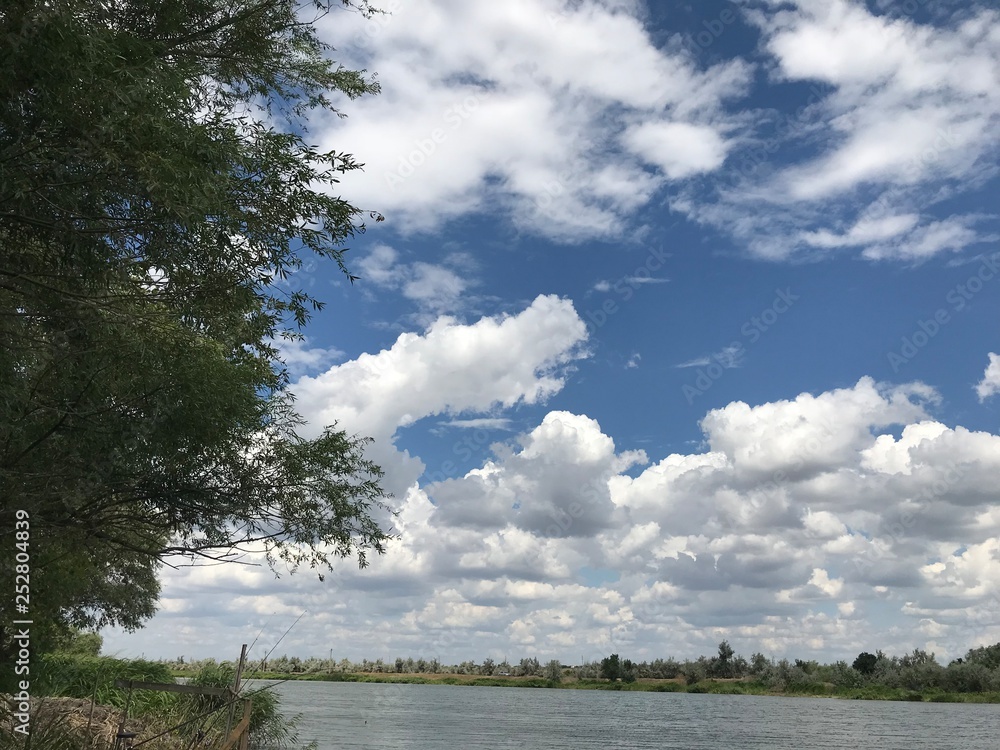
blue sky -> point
(681, 326)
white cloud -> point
(990, 384)
(480, 423)
(865, 231)
(679, 149)
(300, 358)
(435, 289)
(800, 513)
(728, 357)
(451, 369)
(812, 432)
(488, 106)
(907, 119)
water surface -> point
(376, 716)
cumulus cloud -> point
(796, 518)
(450, 369)
(990, 384)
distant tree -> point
(917, 658)
(809, 667)
(664, 669)
(553, 671)
(865, 663)
(529, 667)
(987, 656)
(400, 664)
(627, 673)
(83, 644)
(611, 668)
(758, 663)
(487, 667)
(970, 677)
(722, 665)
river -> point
(376, 716)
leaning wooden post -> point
(235, 689)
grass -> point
(94, 677)
(64, 681)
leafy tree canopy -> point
(865, 663)
(157, 193)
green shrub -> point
(268, 727)
(76, 676)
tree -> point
(487, 667)
(758, 663)
(627, 673)
(84, 644)
(529, 667)
(553, 671)
(865, 663)
(157, 191)
(611, 668)
(987, 656)
(722, 665)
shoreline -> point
(709, 686)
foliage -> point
(611, 667)
(268, 728)
(893, 678)
(758, 663)
(865, 663)
(157, 194)
(987, 656)
(529, 667)
(726, 663)
(80, 643)
(553, 671)
(93, 677)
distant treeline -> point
(977, 671)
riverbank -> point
(716, 687)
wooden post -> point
(236, 688)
